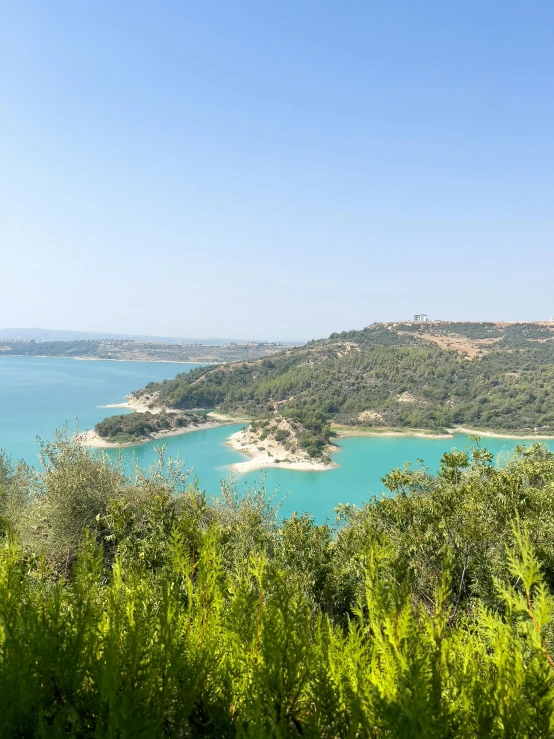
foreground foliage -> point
(131, 605)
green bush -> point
(138, 426)
(136, 606)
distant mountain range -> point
(44, 334)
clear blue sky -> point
(274, 169)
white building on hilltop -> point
(420, 318)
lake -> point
(39, 395)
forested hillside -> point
(138, 606)
(422, 376)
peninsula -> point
(429, 377)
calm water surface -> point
(39, 395)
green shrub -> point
(177, 615)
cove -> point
(41, 394)
(362, 462)
(38, 395)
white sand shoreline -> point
(351, 432)
(495, 435)
(133, 404)
(267, 457)
(91, 439)
(275, 454)
(345, 432)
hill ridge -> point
(363, 377)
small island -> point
(277, 442)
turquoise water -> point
(362, 462)
(38, 395)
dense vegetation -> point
(132, 427)
(136, 606)
(481, 330)
(399, 376)
(123, 349)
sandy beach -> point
(495, 435)
(273, 455)
(93, 440)
(346, 431)
(134, 405)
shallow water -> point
(39, 395)
(362, 462)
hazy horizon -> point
(28, 332)
(249, 171)
(99, 334)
